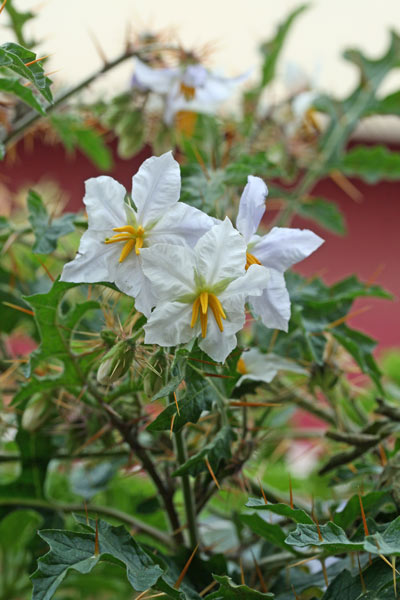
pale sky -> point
(236, 27)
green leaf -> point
(47, 231)
(377, 579)
(228, 590)
(17, 529)
(271, 532)
(72, 550)
(199, 396)
(2, 151)
(13, 86)
(35, 452)
(345, 113)
(334, 539)
(271, 50)
(74, 133)
(56, 322)
(387, 542)
(351, 512)
(217, 450)
(324, 213)
(371, 163)
(360, 347)
(390, 105)
(295, 514)
(15, 58)
(178, 369)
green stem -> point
(162, 537)
(31, 118)
(187, 491)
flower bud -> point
(35, 413)
(116, 362)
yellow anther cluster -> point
(132, 237)
(251, 260)
(188, 91)
(204, 301)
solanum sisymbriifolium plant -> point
(189, 417)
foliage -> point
(171, 444)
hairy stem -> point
(32, 117)
(130, 436)
(187, 491)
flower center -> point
(132, 237)
(187, 91)
(203, 302)
(251, 260)
(241, 366)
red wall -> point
(372, 243)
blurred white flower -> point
(281, 248)
(188, 88)
(258, 366)
(201, 292)
(110, 250)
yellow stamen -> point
(204, 301)
(251, 260)
(138, 244)
(126, 250)
(127, 229)
(188, 91)
(203, 323)
(195, 312)
(134, 238)
(218, 311)
(241, 366)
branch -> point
(130, 437)
(31, 118)
(361, 445)
(94, 508)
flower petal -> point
(182, 224)
(156, 80)
(105, 205)
(215, 90)
(264, 367)
(130, 279)
(156, 187)
(283, 247)
(251, 207)
(219, 344)
(252, 283)
(169, 324)
(221, 253)
(170, 270)
(273, 306)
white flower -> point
(281, 248)
(188, 88)
(257, 366)
(201, 292)
(110, 250)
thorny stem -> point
(187, 491)
(31, 118)
(130, 437)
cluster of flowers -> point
(191, 275)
